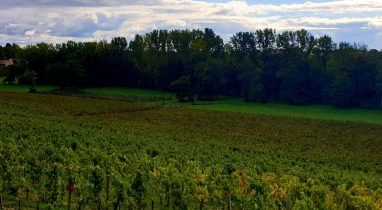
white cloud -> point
(339, 6)
(29, 33)
(179, 23)
(376, 23)
(56, 20)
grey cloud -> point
(74, 3)
(222, 11)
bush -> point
(182, 87)
(4, 71)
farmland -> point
(237, 104)
(169, 157)
(224, 103)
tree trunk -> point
(79, 205)
(62, 194)
(229, 203)
(69, 200)
(116, 205)
(107, 190)
(288, 202)
(201, 204)
(131, 206)
(1, 200)
(168, 200)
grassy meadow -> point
(224, 103)
(130, 91)
(306, 111)
(16, 88)
(237, 104)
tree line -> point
(294, 67)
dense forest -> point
(294, 67)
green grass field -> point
(237, 104)
(234, 104)
(23, 88)
(130, 91)
(15, 88)
(307, 111)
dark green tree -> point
(243, 45)
(2, 55)
(182, 88)
(342, 91)
(65, 75)
(295, 87)
(379, 78)
(267, 86)
(266, 41)
(214, 44)
(292, 66)
(8, 51)
(15, 71)
(38, 57)
(249, 79)
(209, 77)
(325, 47)
(29, 78)
(119, 47)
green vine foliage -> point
(181, 158)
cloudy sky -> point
(53, 21)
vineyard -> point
(62, 152)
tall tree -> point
(8, 51)
(138, 56)
(209, 76)
(2, 55)
(379, 87)
(362, 73)
(214, 44)
(243, 45)
(157, 56)
(247, 78)
(38, 57)
(295, 88)
(291, 66)
(305, 43)
(266, 41)
(325, 47)
(65, 75)
(119, 47)
(342, 91)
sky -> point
(56, 21)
